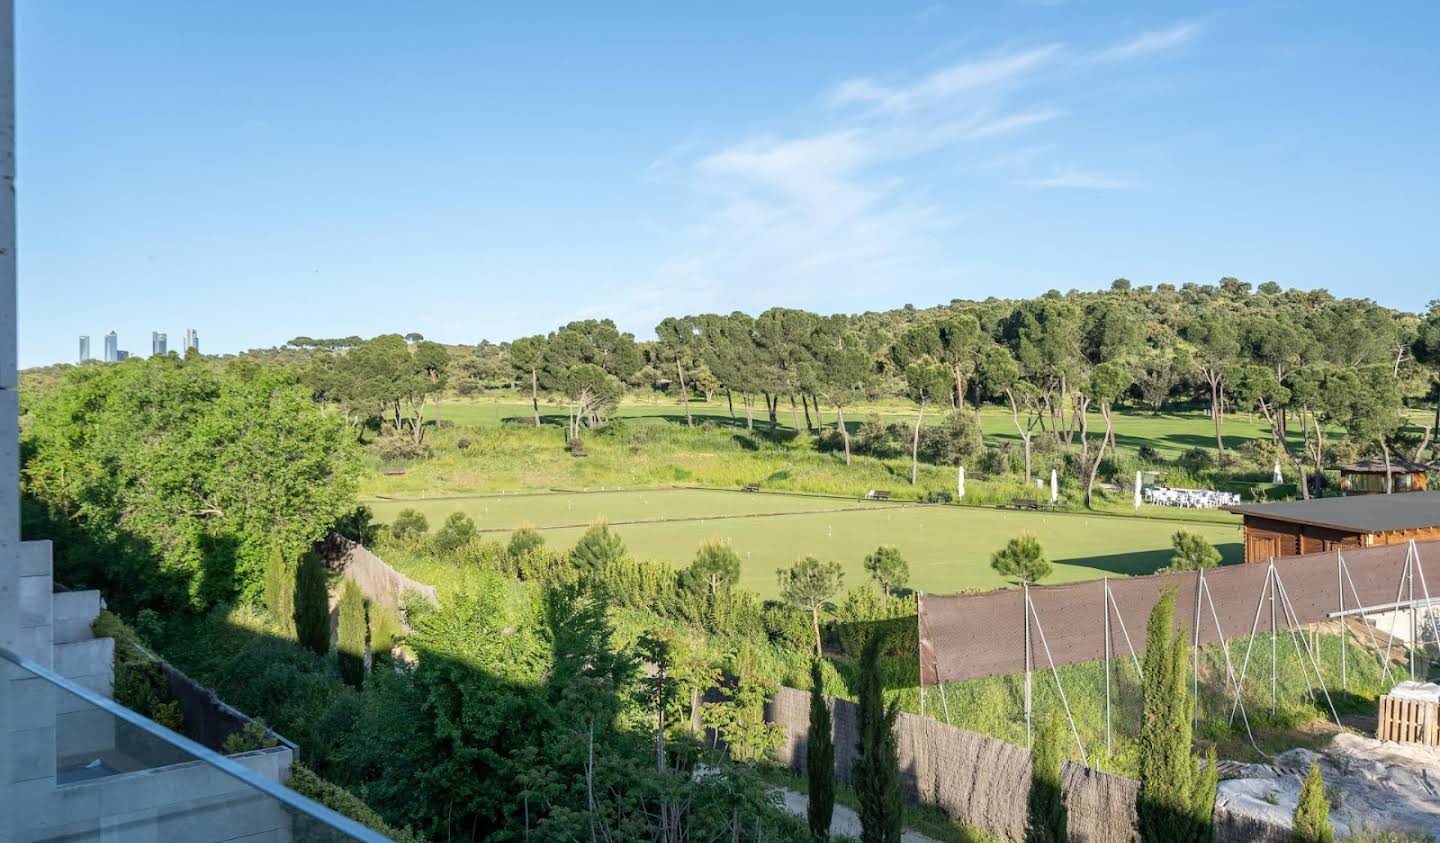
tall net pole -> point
(1106, 609)
(1029, 737)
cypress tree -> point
(312, 604)
(1312, 815)
(820, 759)
(1177, 796)
(1048, 819)
(350, 637)
(876, 774)
(280, 591)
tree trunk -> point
(684, 393)
(749, 403)
(819, 419)
(844, 432)
(730, 399)
(795, 413)
(1099, 455)
(915, 445)
(535, 394)
(1389, 476)
(809, 426)
(772, 408)
(1024, 434)
(959, 389)
(1215, 414)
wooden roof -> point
(1397, 466)
(1357, 514)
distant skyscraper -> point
(121, 355)
(192, 339)
(84, 348)
(157, 343)
(112, 347)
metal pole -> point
(1059, 686)
(1229, 665)
(920, 645)
(1274, 651)
(1029, 737)
(1344, 629)
(945, 703)
(1106, 610)
(1425, 589)
(1249, 647)
(1365, 619)
(1410, 575)
(1195, 662)
(1314, 663)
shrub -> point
(457, 531)
(1312, 815)
(787, 626)
(1195, 460)
(1148, 454)
(939, 496)
(139, 684)
(463, 444)
(1047, 817)
(399, 449)
(250, 737)
(409, 524)
(1192, 551)
(358, 525)
(305, 782)
(280, 591)
(312, 604)
(351, 634)
(597, 548)
(956, 439)
(994, 462)
(524, 541)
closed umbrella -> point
(1054, 486)
(1137, 490)
(960, 484)
(1278, 477)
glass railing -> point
(82, 766)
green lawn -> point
(948, 547)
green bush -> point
(409, 524)
(305, 782)
(457, 531)
(312, 604)
(250, 737)
(140, 684)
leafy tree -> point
(527, 356)
(1046, 335)
(409, 524)
(876, 775)
(312, 604)
(593, 394)
(457, 531)
(1192, 551)
(597, 548)
(1312, 815)
(167, 482)
(1213, 337)
(846, 370)
(925, 378)
(280, 591)
(1177, 796)
(1001, 375)
(677, 345)
(1108, 381)
(888, 568)
(819, 759)
(960, 343)
(809, 584)
(1047, 817)
(716, 566)
(740, 721)
(1021, 558)
(350, 635)
(1427, 352)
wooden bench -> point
(878, 495)
(392, 472)
(1025, 503)
(752, 487)
(578, 450)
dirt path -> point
(844, 821)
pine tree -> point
(1312, 815)
(280, 591)
(597, 548)
(876, 774)
(1047, 821)
(820, 759)
(350, 637)
(312, 604)
(1177, 796)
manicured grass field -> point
(948, 548)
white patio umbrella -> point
(960, 484)
(1054, 486)
(1137, 490)
(1278, 477)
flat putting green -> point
(948, 547)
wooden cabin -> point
(1321, 524)
(1368, 477)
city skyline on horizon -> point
(111, 353)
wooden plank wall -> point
(1408, 721)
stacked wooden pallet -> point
(1409, 715)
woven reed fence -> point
(380, 583)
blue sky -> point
(258, 170)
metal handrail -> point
(245, 776)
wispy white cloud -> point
(964, 78)
(1149, 43)
(1075, 180)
